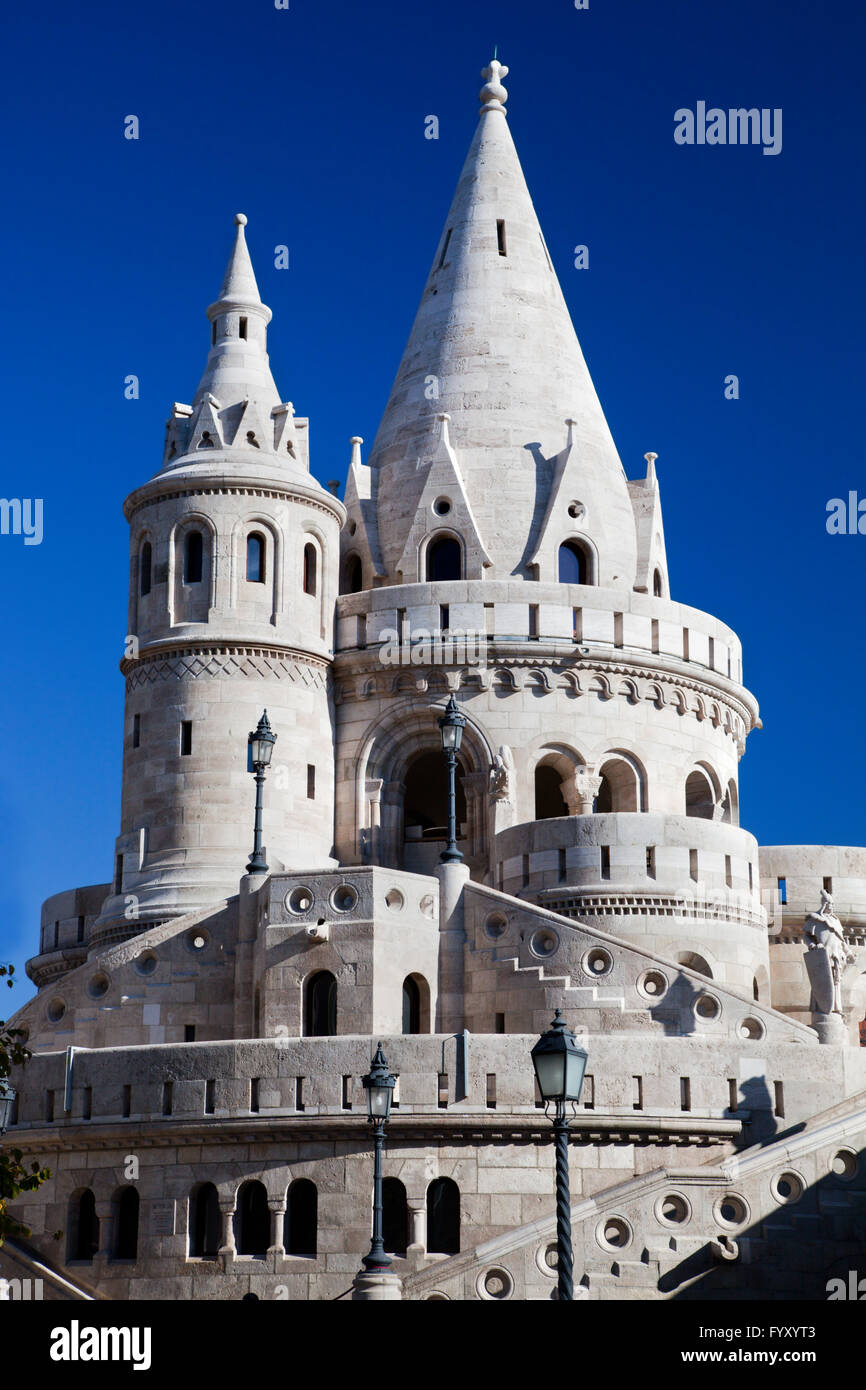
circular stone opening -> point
(146, 963)
(787, 1187)
(613, 1233)
(844, 1164)
(653, 984)
(442, 506)
(299, 900)
(576, 510)
(427, 905)
(598, 961)
(497, 1283)
(731, 1210)
(496, 925)
(751, 1028)
(197, 939)
(673, 1209)
(56, 1010)
(707, 1007)
(543, 942)
(98, 986)
(344, 898)
(394, 899)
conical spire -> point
(493, 346)
(237, 366)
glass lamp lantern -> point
(261, 742)
(452, 725)
(559, 1062)
(379, 1085)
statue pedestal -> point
(830, 1028)
(378, 1286)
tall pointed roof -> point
(493, 346)
(237, 366)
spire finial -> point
(493, 95)
(240, 219)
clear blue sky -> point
(704, 261)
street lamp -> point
(261, 745)
(379, 1085)
(7, 1104)
(559, 1068)
(452, 725)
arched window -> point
(692, 961)
(301, 1219)
(425, 800)
(204, 1221)
(573, 566)
(83, 1226)
(657, 584)
(395, 1216)
(311, 565)
(549, 801)
(256, 558)
(411, 1006)
(700, 797)
(193, 551)
(252, 1220)
(353, 577)
(621, 787)
(125, 1224)
(145, 568)
(443, 1217)
(320, 1005)
(444, 559)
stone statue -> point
(827, 956)
(502, 774)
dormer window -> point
(256, 558)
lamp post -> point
(261, 745)
(559, 1068)
(379, 1085)
(452, 725)
(7, 1103)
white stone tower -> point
(494, 501)
(233, 575)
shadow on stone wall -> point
(794, 1253)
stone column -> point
(475, 790)
(417, 1223)
(227, 1209)
(579, 791)
(373, 793)
(452, 944)
(277, 1208)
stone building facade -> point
(199, 1033)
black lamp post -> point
(559, 1067)
(379, 1085)
(261, 745)
(7, 1103)
(452, 725)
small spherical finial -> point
(650, 457)
(240, 219)
(493, 95)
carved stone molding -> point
(195, 663)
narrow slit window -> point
(588, 1093)
(87, 1106)
(733, 1094)
(189, 1032)
(242, 328)
(80, 934)
(213, 333)
(605, 861)
(651, 861)
(729, 879)
(136, 730)
(444, 249)
(209, 1097)
(533, 622)
(146, 568)
(783, 890)
(637, 1103)
(563, 868)
(311, 782)
(500, 237)
(779, 1100)
(299, 1093)
(444, 617)
(828, 885)
(310, 569)
(185, 738)
(193, 556)
(347, 1092)
(255, 558)
(500, 1023)
(443, 1090)
(685, 1093)
(693, 865)
(491, 1090)
(49, 1106)
(166, 1097)
(254, 1095)
(127, 1102)
(118, 884)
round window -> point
(299, 900)
(197, 939)
(146, 963)
(543, 942)
(442, 506)
(56, 1010)
(653, 984)
(394, 899)
(98, 986)
(496, 925)
(707, 1007)
(598, 961)
(344, 898)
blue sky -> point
(704, 261)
